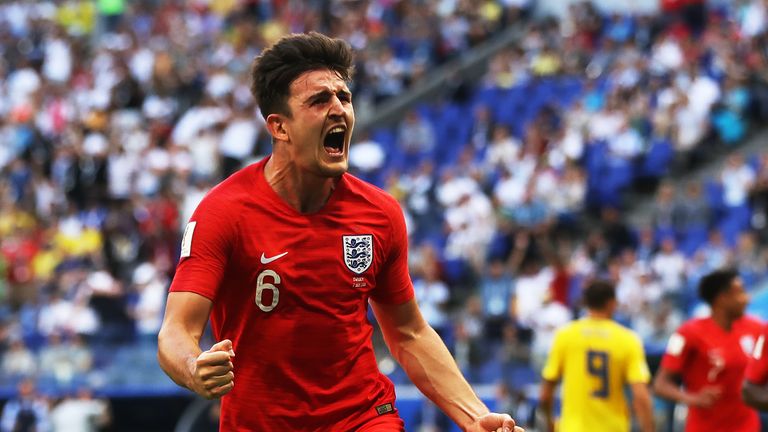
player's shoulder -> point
(235, 189)
(620, 334)
(624, 331)
(631, 340)
(570, 330)
(752, 324)
(362, 190)
(695, 326)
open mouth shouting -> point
(334, 141)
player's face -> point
(320, 127)
(737, 298)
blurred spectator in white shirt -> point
(238, 140)
(58, 61)
(433, 295)
(737, 178)
(666, 54)
(148, 309)
(551, 316)
(531, 291)
(503, 149)
(82, 413)
(669, 265)
(64, 359)
(19, 360)
(753, 17)
(366, 154)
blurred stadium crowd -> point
(116, 118)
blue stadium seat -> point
(489, 372)
(657, 159)
(713, 191)
(455, 270)
(692, 238)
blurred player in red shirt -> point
(285, 256)
(710, 356)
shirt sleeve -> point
(393, 283)
(637, 368)
(757, 369)
(205, 249)
(679, 348)
(553, 368)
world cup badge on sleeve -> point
(358, 252)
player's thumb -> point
(223, 345)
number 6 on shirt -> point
(597, 366)
(261, 286)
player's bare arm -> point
(546, 402)
(755, 395)
(665, 384)
(642, 406)
(429, 364)
(207, 373)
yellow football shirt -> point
(595, 359)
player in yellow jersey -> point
(595, 357)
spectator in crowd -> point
(470, 348)
(433, 296)
(416, 138)
(496, 292)
(147, 310)
(18, 360)
(81, 412)
(27, 411)
(551, 316)
(669, 266)
(64, 359)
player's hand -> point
(212, 371)
(706, 397)
(493, 422)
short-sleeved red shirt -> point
(757, 369)
(705, 355)
(291, 291)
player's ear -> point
(276, 127)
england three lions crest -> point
(358, 252)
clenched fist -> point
(493, 422)
(212, 373)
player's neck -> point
(598, 314)
(304, 192)
(722, 319)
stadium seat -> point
(657, 159)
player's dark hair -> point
(273, 71)
(598, 293)
(712, 284)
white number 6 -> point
(261, 286)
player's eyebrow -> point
(323, 95)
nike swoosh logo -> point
(265, 260)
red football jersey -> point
(291, 291)
(705, 355)
(757, 369)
